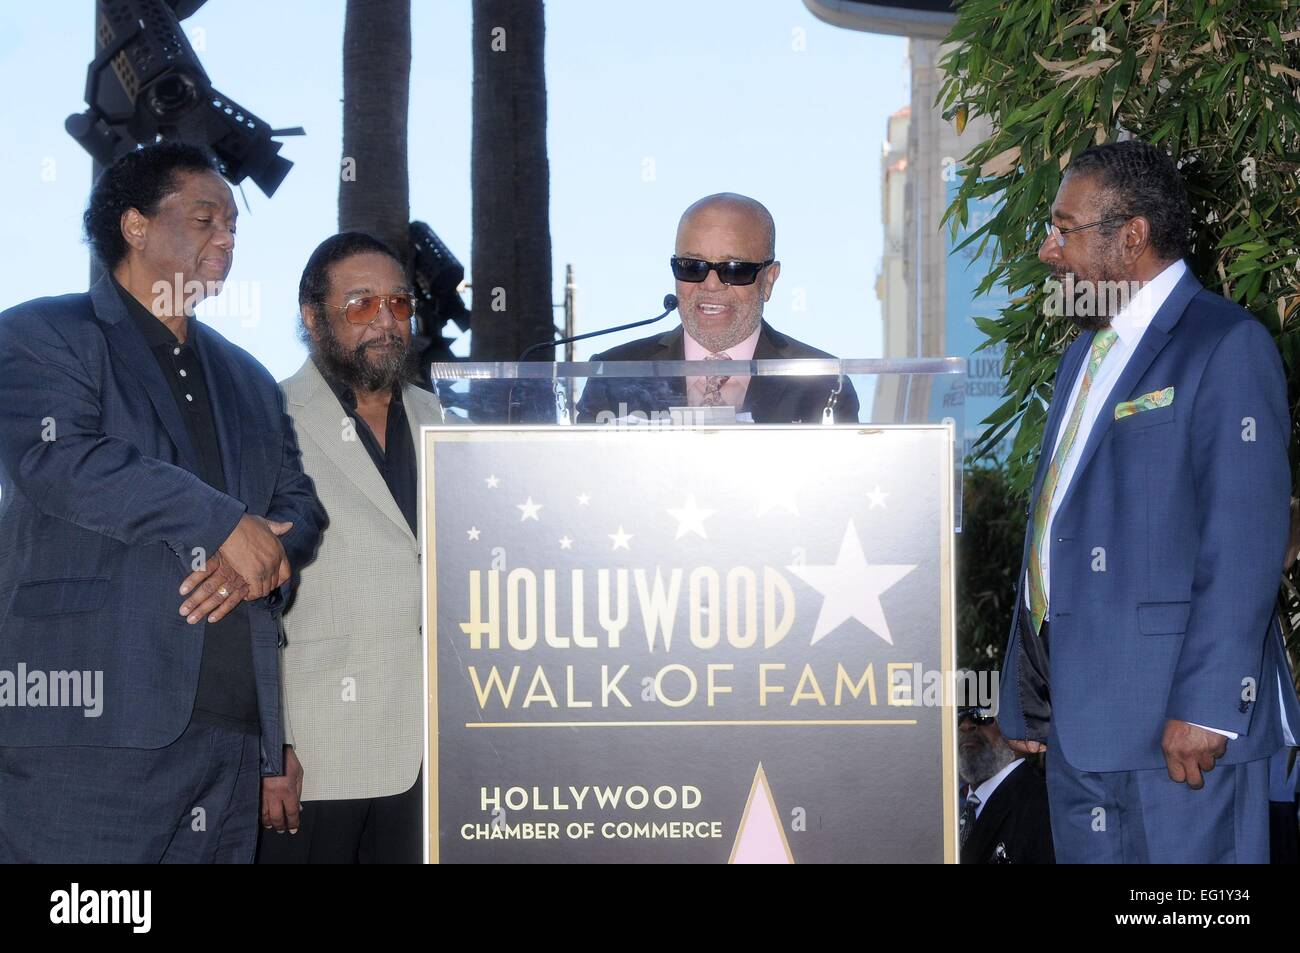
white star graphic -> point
(528, 510)
(492, 482)
(566, 543)
(877, 497)
(690, 518)
(583, 499)
(852, 588)
(472, 532)
(620, 539)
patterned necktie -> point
(1101, 343)
(713, 383)
(967, 822)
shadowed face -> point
(981, 751)
(191, 234)
(367, 358)
(719, 316)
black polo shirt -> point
(227, 693)
(395, 461)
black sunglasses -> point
(696, 270)
(978, 715)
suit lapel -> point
(131, 350)
(225, 410)
(1070, 362)
(322, 417)
(672, 347)
(981, 841)
(673, 344)
(764, 394)
(1150, 345)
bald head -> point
(722, 228)
(739, 213)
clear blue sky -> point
(714, 92)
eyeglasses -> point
(696, 270)
(978, 715)
(365, 309)
(1059, 233)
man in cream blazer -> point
(352, 660)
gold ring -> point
(223, 592)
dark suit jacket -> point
(771, 400)
(101, 515)
(1014, 827)
(1189, 504)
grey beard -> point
(977, 768)
(353, 370)
(724, 338)
(1101, 316)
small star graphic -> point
(528, 510)
(690, 518)
(566, 543)
(492, 482)
(472, 532)
(877, 497)
(620, 539)
(583, 499)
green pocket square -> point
(1157, 398)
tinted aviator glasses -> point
(696, 270)
(364, 309)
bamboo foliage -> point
(1214, 83)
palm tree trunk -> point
(510, 180)
(374, 191)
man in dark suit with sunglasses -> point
(725, 266)
(1004, 817)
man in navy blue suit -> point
(153, 509)
(1144, 653)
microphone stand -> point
(670, 304)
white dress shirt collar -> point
(1138, 313)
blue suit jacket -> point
(101, 515)
(1166, 550)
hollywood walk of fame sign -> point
(689, 645)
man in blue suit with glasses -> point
(1144, 653)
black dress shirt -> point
(227, 693)
(395, 461)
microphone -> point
(670, 305)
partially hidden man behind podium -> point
(725, 267)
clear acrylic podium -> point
(889, 391)
(663, 632)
